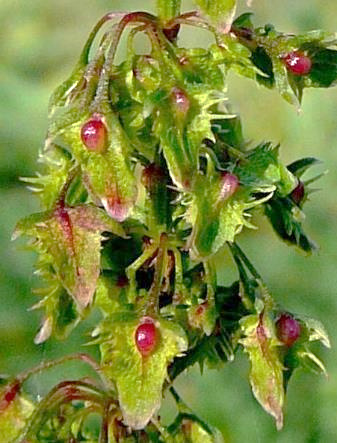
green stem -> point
(179, 290)
(162, 431)
(240, 256)
(211, 280)
(239, 252)
(104, 433)
(152, 306)
(182, 407)
(133, 268)
(248, 295)
(167, 9)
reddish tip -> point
(229, 185)
(116, 208)
(298, 63)
(94, 135)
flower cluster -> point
(147, 176)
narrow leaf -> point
(266, 375)
(70, 240)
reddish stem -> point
(64, 392)
(191, 18)
(86, 50)
(132, 17)
(50, 364)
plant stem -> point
(84, 57)
(211, 280)
(236, 250)
(152, 306)
(51, 364)
(63, 194)
(167, 9)
(64, 392)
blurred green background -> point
(39, 43)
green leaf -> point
(139, 380)
(291, 94)
(60, 312)
(269, 48)
(263, 62)
(219, 347)
(69, 239)
(198, 434)
(227, 132)
(188, 427)
(49, 185)
(219, 12)
(244, 21)
(143, 77)
(107, 175)
(299, 354)
(235, 56)
(201, 68)
(261, 169)
(214, 220)
(286, 215)
(74, 84)
(266, 374)
(312, 362)
(316, 331)
(182, 131)
(299, 167)
(286, 219)
(202, 316)
(193, 430)
(181, 136)
(107, 294)
(324, 69)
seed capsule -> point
(94, 135)
(288, 329)
(298, 63)
(146, 336)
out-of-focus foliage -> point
(39, 41)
